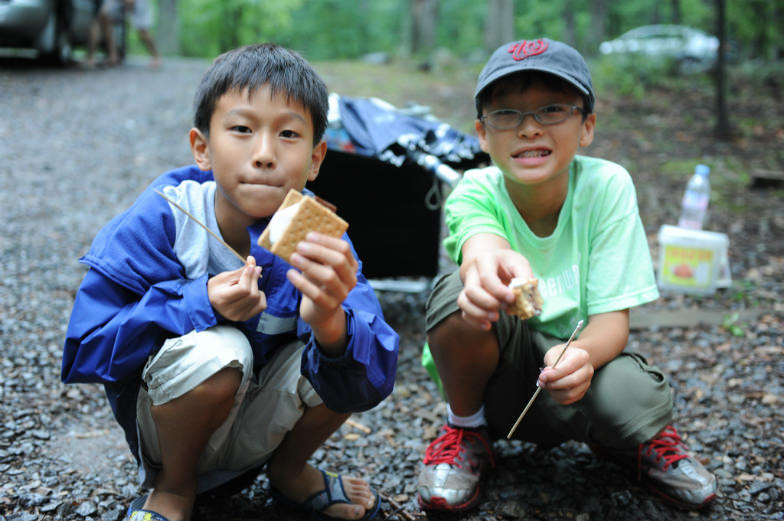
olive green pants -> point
(628, 402)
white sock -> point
(471, 422)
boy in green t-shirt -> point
(571, 222)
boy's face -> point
(532, 153)
(259, 147)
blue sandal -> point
(333, 493)
(136, 511)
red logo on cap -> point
(525, 48)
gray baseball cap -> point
(542, 55)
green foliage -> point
(681, 168)
(208, 28)
(534, 19)
(628, 75)
(320, 29)
(460, 27)
(756, 25)
(335, 29)
(327, 29)
(731, 324)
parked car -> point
(692, 49)
(52, 28)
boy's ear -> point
(587, 131)
(316, 158)
(201, 153)
(481, 132)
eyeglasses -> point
(507, 119)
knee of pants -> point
(184, 362)
(627, 394)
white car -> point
(692, 49)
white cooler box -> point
(693, 261)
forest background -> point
(439, 35)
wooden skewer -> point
(398, 508)
(358, 426)
(217, 237)
(539, 389)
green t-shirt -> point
(595, 261)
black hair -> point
(254, 66)
(521, 80)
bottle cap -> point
(702, 170)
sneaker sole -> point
(678, 502)
(440, 504)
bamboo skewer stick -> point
(539, 389)
(217, 237)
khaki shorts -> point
(628, 402)
(267, 405)
(140, 14)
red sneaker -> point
(455, 465)
(668, 468)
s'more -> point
(299, 214)
(528, 301)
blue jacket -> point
(135, 295)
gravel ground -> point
(77, 146)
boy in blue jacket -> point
(213, 367)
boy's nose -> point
(263, 155)
(529, 126)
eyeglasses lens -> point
(506, 119)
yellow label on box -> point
(687, 266)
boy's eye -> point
(289, 133)
(550, 109)
(242, 129)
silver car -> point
(50, 27)
(692, 49)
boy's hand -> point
(570, 380)
(486, 277)
(235, 295)
(327, 273)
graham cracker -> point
(310, 216)
(528, 302)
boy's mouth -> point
(539, 152)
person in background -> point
(111, 11)
(101, 29)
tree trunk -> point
(424, 17)
(676, 11)
(167, 35)
(599, 24)
(569, 34)
(228, 38)
(499, 23)
(723, 130)
(364, 37)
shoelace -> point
(447, 448)
(667, 446)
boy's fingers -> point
(328, 263)
(476, 293)
(322, 299)
(329, 251)
(487, 272)
(474, 314)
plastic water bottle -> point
(694, 206)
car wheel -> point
(690, 65)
